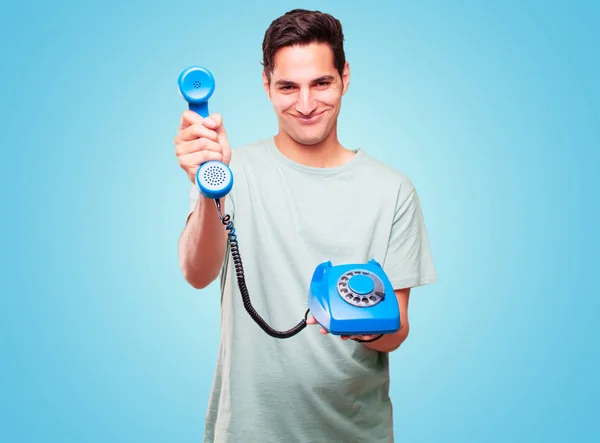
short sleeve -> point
(409, 262)
(194, 195)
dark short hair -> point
(302, 27)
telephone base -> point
(353, 299)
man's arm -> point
(202, 244)
(408, 261)
(391, 342)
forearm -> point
(391, 342)
(202, 244)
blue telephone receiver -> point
(196, 85)
(349, 299)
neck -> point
(328, 153)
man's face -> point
(306, 91)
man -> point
(299, 198)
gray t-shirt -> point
(289, 218)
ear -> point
(346, 78)
(266, 84)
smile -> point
(308, 120)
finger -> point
(189, 118)
(196, 131)
(198, 145)
(191, 162)
(215, 122)
(312, 321)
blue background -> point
(491, 108)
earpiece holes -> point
(215, 176)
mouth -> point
(309, 119)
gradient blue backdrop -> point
(491, 108)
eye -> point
(323, 84)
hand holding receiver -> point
(204, 153)
(201, 143)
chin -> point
(306, 138)
(308, 141)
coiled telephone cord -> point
(239, 271)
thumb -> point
(311, 320)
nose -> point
(306, 103)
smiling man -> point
(300, 198)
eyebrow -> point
(324, 78)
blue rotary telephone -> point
(347, 299)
